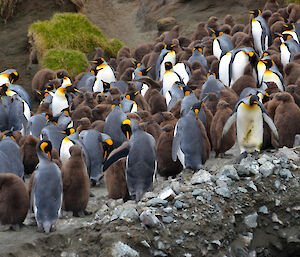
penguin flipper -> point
(122, 153)
(178, 133)
(271, 124)
(229, 122)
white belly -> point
(144, 89)
(58, 104)
(285, 54)
(107, 75)
(238, 66)
(256, 33)
(261, 68)
(64, 153)
(269, 76)
(179, 68)
(249, 128)
(217, 51)
(168, 80)
(224, 68)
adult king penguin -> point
(249, 114)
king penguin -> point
(167, 55)
(221, 44)
(198, 56)
(261, 32)
(272, 74)
(47, 189)
(104, 73)
(249, 114)
(141, 161)
(288, 48)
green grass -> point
(292, 2)
(71, 31)
(73, 61)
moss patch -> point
(69, 31)
(73, 61)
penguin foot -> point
(255, 154)
(16, 227)
(87, 212)
(65, 214)
(92, 195)
(241, 157)
(31, 222)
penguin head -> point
(187, 90)
(216, 32)
(132, 95)
(69, 131)
(107, 148)
(14, 76)
(253, 100)
(126, 128)
(52, 119)
(3, 88)
(115, 103)
(168, 66)
(66, 111)
(9, 134)
(253, 58)
(265, 54)
(71, 88)
(169, 46)
(196, 108)
(136, 63)
(255, 12)
(145, 71)
(46, 147)
(98, 61)
(106, 86)
(180, 84)
(289, 26)
(268, 63)
(198, 48)
(60, 75)
(211, 74)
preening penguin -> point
(141, 162)
(47, 189)
(249, 114)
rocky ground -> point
(226, 209)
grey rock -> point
(250, 184)
(175, 185)
(277, 184)
(203, 193)
(179, 241)
(230, 172)
(223, 191)
(167, 219)
(185, 216)
(243, 190)
(167, 194)
(160, 245)
(121, 250)
(266, 169)
(285, 173)
(159, 253)
(156, 202)
(202, 176)
(149, 195)
(250, 220)
(241, 170)
(178, 204)
(250, 164)
(149, 219)
(263, 209)
(168, 209)
(224, 181)
(277, 202)
(276, 219)
(290, 154)
(130, 213)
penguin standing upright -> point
(198, 56)
(221, 44)
(249, 114)
(261, 32)
(47, 189)
(288, 48)
(167, 55)
(191, 144)
(141, 162)
(272, 74)
(104, 73)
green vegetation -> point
(73, 61)
(69, 31)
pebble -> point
(149, 195)
(285, 173)
(243, 190)
(275, 218)
(251, 185)
(290, 154)
(168, 209)
(224, 181)
(149, 219)
(167, 219)
(250, 220)
(130, 214)
(230, 172)
(277, 184)
(263, 209)
(202, 176)
(178, 204)
(266, 169)
(145, 243)
(159, 253)
(156, 202)
(160, 245)
(120, 250)
(223, 191)
(167, 194)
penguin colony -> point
(161, 107)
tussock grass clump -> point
(71, 31)
(73, 61)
